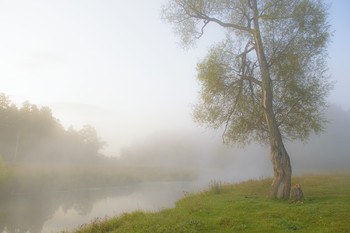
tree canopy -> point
(295, 35)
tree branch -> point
(232, 111)
(246, 71)
(200, 15)
(251, 79)
(202, 29)
(246, 52)
(223, 24)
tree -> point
(267, 81)
(92, 143)
(8, 116)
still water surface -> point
(66, 210)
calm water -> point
(66, 210)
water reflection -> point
(56, 211)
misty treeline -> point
(29, 133)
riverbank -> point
(244, 207)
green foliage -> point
(294, 34)
(244, 208)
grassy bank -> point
(244, 207)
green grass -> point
(244, 207)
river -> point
(48, 212)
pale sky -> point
(117, 66)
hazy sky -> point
(117, 66)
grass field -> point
(244, 207)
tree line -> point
(32, 134)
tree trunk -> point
(280, 187)
(281, 183)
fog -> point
(328, 151)
(205, 151)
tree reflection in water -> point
(29, 212)
(39, 212)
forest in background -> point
(32, 134)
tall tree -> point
(267, 81)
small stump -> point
(295, 193)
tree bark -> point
(280, 187)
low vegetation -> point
(244, 207)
